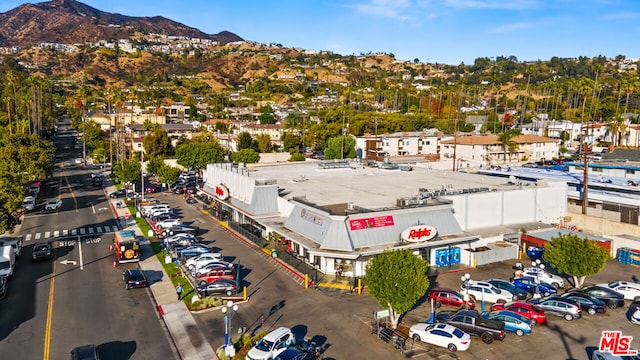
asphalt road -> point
(77, 298)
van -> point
(14, 242)
(7, 261)
(270, 346)
(29, 203)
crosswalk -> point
(71, 232)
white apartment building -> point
(400, 143)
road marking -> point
(82, 231)
(27, 237)
(65, 232)
(90, 230)
(74, 231)
(98, 229)
(80, 253)
(47, 331)
(67, 262)
(93, 208)
(56, 233)
(37, 236)
(47, 234)
(115, 228)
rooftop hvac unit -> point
(402, 202)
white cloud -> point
(492, 4)
(510, 28)
(621, 16)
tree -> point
(157, 144)
(198, 154)
(168, 174)
(245, 156)
(397, 279)
(266, 115)
(506, 139)
(127, 170)
(154, 164)
(263, 142)
(340, 147)
(245, 141)
(574, 256)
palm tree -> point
(506, 139)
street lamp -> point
(228, 310)
(465, 283)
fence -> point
(495, 252)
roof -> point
(495, 140)
(548, 234)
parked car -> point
(450, 297)
(217, 287)
(543, 275)
(86, 352)
(41, 251)
(216, 273)
(635, 316)
(606, 355)
(208, 266)
(513, 322)
(202, 259)
(470, 322)
(587, 302)
(272, 344)
(134, 278)
(192, 250)
(443, 335)
(517, 292)
(555, 305)
(152, 188)
(630, 290)
(168, 223)
(534, 286)
(182, 238)
(525, 309)
(53, 205)
(29, 203)
(612, 298)
(535, 253)
(484, 291)
(118, 193)
(182, 229)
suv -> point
(484, 291)
(134, 278)
(555, 305)
(41, 251)
(53, 205)
(450, 298)
(540, 274)
(272, 344)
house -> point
(135, 134)
(398, 144)
(273, 130)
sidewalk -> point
(185, 333)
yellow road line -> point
(47, 330)
(73, 195)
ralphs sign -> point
(615, 343)
(222, 192)
(419, 233)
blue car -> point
(535, 253)
(193, 250)
(513, 322)
(532, 286)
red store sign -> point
(419, 233)
(222, 192)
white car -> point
(635, 317)
(630, 290)
(203, 269)
(168, 223)
(443, 335)
(545, 276)
(181, 238)
(29, 203)
(202, 259)
(485, 291)
(53, 205)
(272, 344)
(605, 355)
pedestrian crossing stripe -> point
(72, 232)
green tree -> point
(296, 156)
(574, 256)
(248, 156)
(197, 154)
(127, 170)
(397, 279)
(154, 164)
(266, 115)
(506, 139)
(291, 142)
(340, 147)
(245, 141)
(157, 144)
(263, 142)
(168, 174)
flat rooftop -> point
(367, 187)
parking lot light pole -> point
(465, 282)
(228, 310)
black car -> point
(587, 302)
(518, 293)
(134, 278)
(86, 352)
(118, 193)
(41, 251)
(221, 286)
(612, 298)
(182, 229)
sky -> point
(433, 31)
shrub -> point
(205, 303)
(297, 157)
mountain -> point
(71, 22)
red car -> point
(152, 188)
(450, 298)
(525, 309)
(216, 274)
